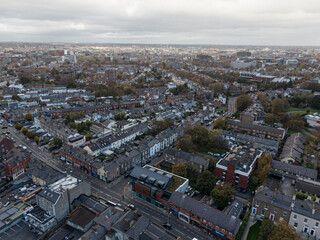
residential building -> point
(237, 166)
(293, 149)
(282, 169)
(15, 162)
(305, 218)
(173, 155)
(252, 113)
(271, 205)
(155, 185)
(203, 216)
(256, 130)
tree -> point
(16, 97)
(120, 116)
(220, 123)
(24, 131)
(283, 231)
(30, 134)
(263, 167)
(57, 142)
(308, 110)
(222, 195)
(315, 103)
(243, 102)
(1, 97)
(205, 182)
(89, 136)
(278, 106)
(186, 144)
(29, 117)
(179, 169)
(295, 122)
(24, 80)
(18, 126)
(269, 118)
(266, 228)
(217, 88)
(36, 139)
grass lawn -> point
(292, 131)
(220, 151)
(221, 109)
(254, 231)
(291, 109)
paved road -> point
(114, 191)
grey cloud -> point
(166, 21)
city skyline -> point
(217, 22)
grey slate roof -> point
(206, 212)
(49, 195)
(274, 198)
(257, 127)
(147, 175)
(294, 169)
(305, 208)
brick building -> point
(203, 216)
(15, 162)
(256, 130)
(237, 166)
(155, 185)
(272, 205)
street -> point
(114, 191)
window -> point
(305, 220)
(295, 217)
(257, 204)
(305, 229)
(312, 232)
(317, 224)
(266, 206)
(275, 210)
(262, 212)
(295, 224)
(284, 213)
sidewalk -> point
(251, 222)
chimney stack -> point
(135, 215)
(127, 223)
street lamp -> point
(169, 217)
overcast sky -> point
(258, 22)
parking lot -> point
(17, 232)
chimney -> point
(313, 208)
(135, 215)
(127, 223)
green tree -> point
(269, 118)
(36, 139)
(205, 182)
(30, 134)
(278, 106)
(24, 131)
(16, 97)
(243, 102)
(263, 167)
(220, 123)
(179, 169)
(57, 142)
(25, 80)
(315, 102)
(89, 136)
(186, 144)
(283, 231)
(29, 117)
(266, 228)
(217, 88)
(120, 116)
(295, 122)
(18, 126)
(222, 195)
